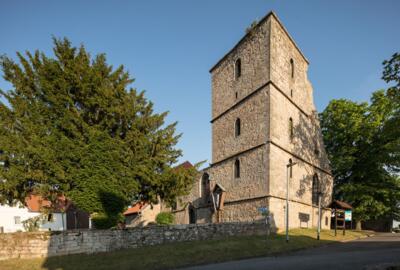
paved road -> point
(366, 253)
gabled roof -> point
(219, 186)
(136, 208)
(340, 205)
(185, 165)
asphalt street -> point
(368, 253)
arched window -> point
(192, 215)
(290, 168)
(237, 127)
(238, 68)
(291, 131)
(205, 186)
(292, 68)
(315, 189)
(237, 168)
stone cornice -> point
(275, 144)
(237, 154)
(299, 157)
(272, 196)
(240, 101)
(251, 94)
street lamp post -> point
(288, 168)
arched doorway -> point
(205, 188)
(192, 215)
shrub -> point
(103, 221)
(165, 218)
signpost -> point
(264, 211)
(348, 217)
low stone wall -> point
(42, 244)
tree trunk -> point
(358, 225)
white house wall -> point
(7, 221)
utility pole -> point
(288, 168)
(319, 214)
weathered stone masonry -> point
(270, 95)
(42, 244)
(271, 89)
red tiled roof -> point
(185, 165)
(36, 202)
(136, 208)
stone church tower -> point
(264, 118)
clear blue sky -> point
(169, 46)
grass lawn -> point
(185, 253)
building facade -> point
(65, 215)
(263, 119)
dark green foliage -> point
(391, 71)
(165, 218)
(363, 143)
(104, 221)
(73, 126)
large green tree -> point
(363, 144)
(72, 125)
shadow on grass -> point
(183, 254)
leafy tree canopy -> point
(74, 126)
(363, 144)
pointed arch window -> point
(238, 68)
(237, 168)
(237, 127)
(315, 189)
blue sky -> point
(169, 46)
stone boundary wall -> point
(46, 244)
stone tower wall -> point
(253, 51)
(264, 97)
(253, 115)
(306, 146)
(253, 175)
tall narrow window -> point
(238, 68)
(316, 148)
(291, 131)
(205, 186)
(192, 215)
(237, 168)
(315, 189)
(290, 168)
(292, 68)
(237, 127)
(291, 92)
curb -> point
(358, 238)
